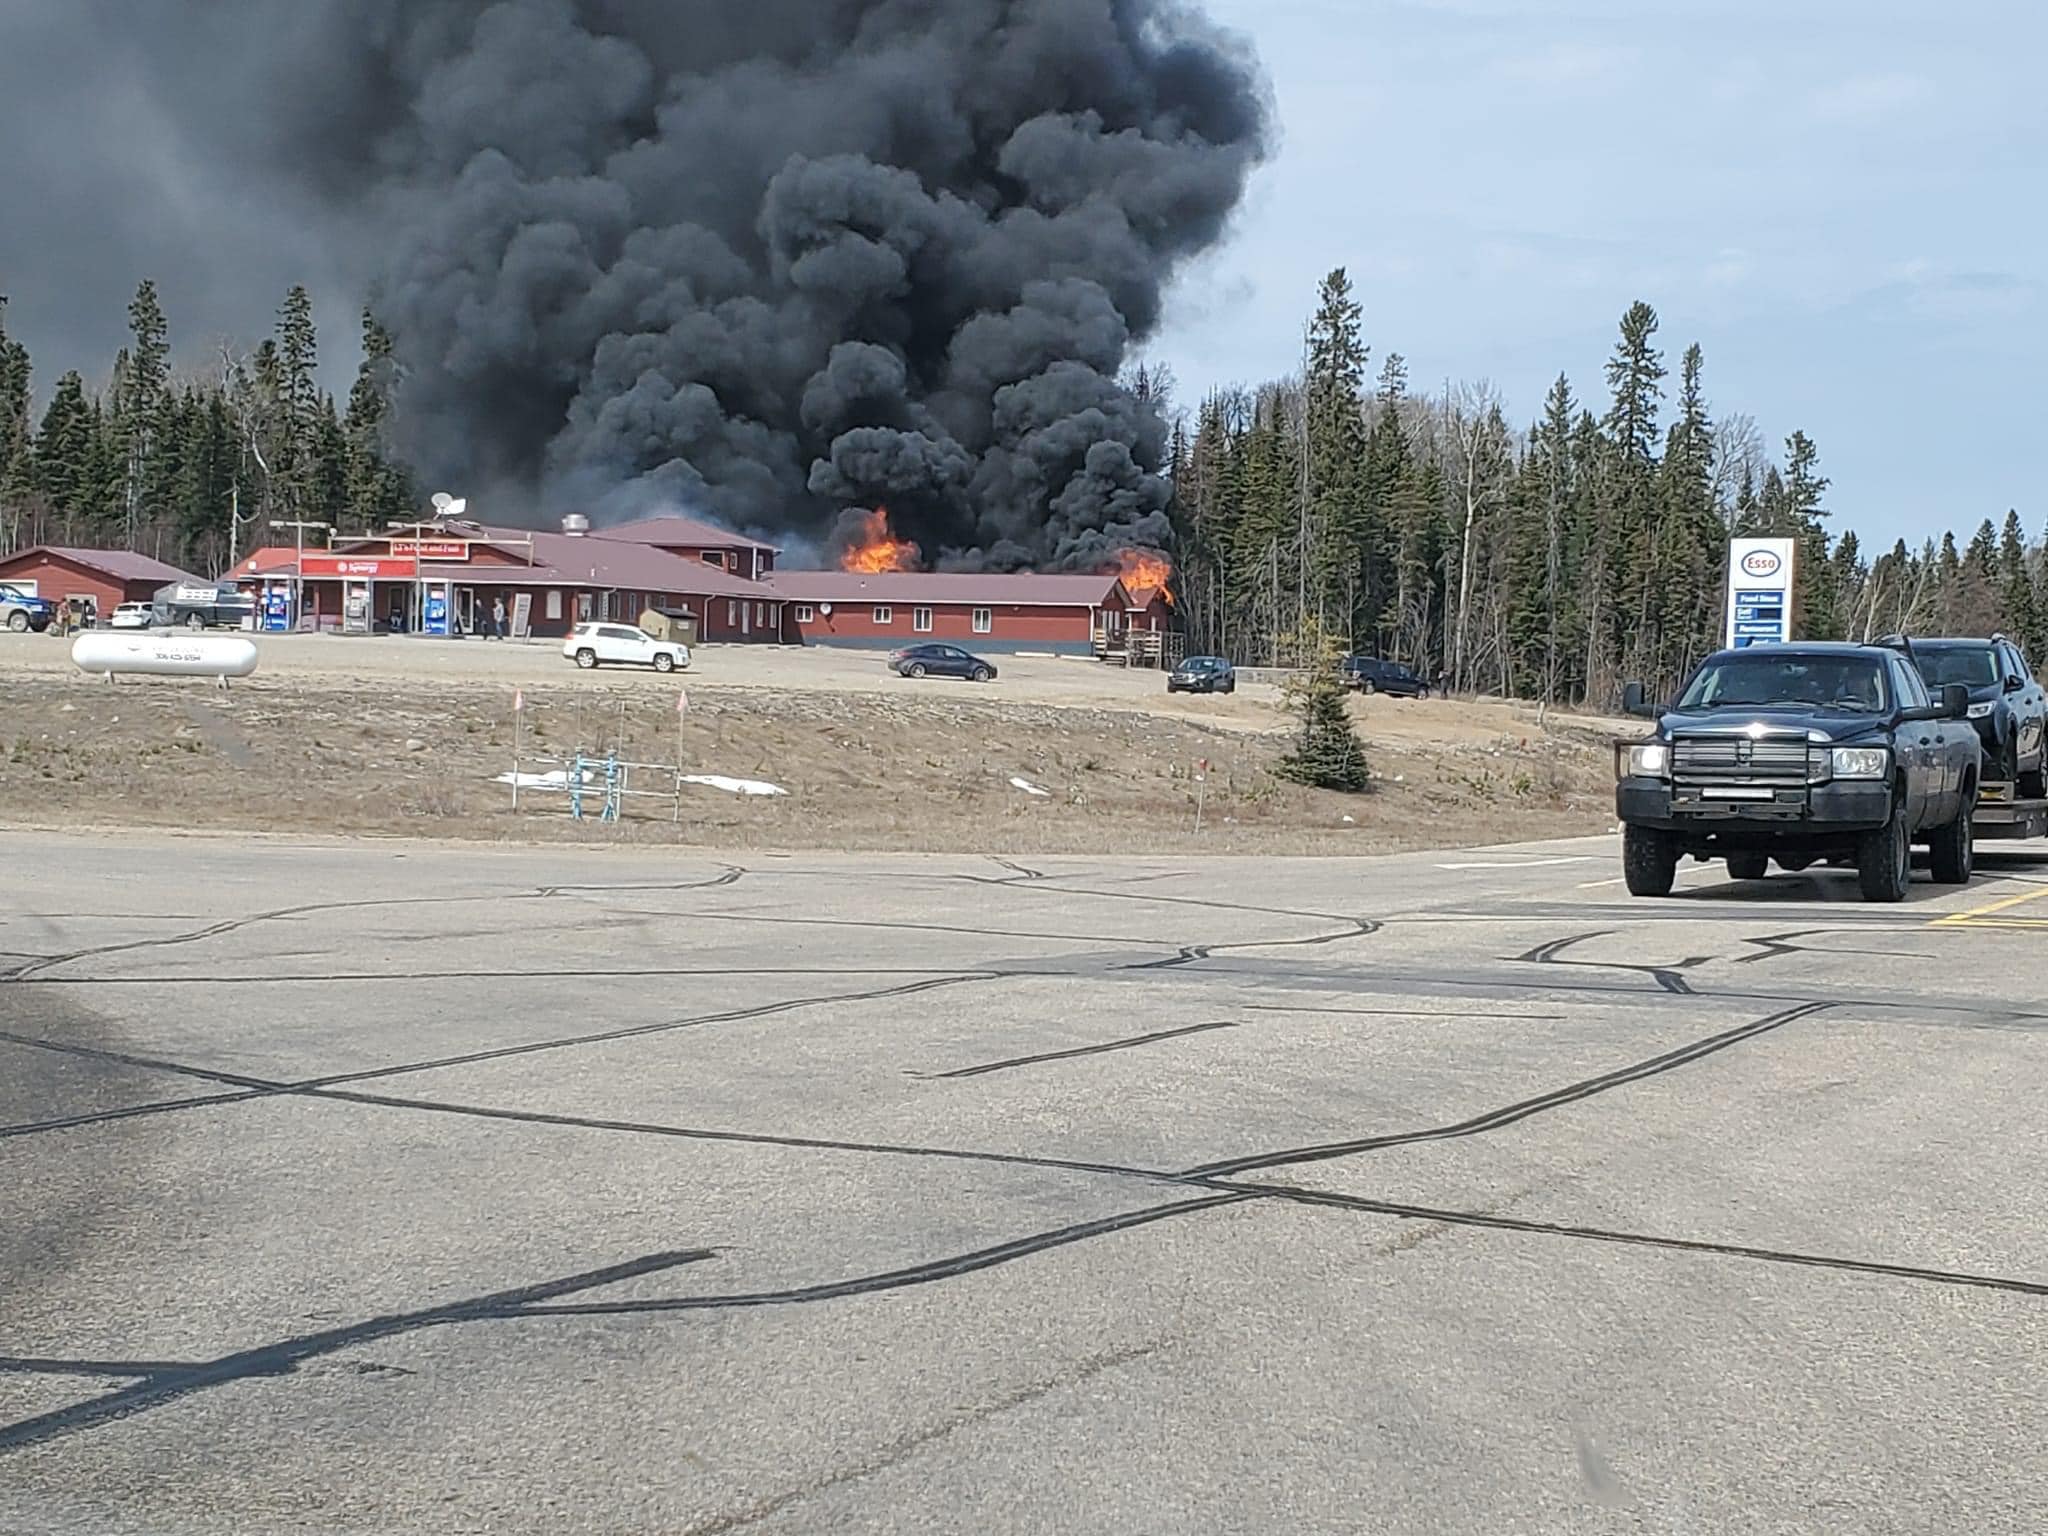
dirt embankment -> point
(410, 742)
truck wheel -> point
(1884, 860)
(18, 622)
(195, 621)
(1649, 861)
(1749, 866)
(1954, 852)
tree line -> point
(197, 466)
(1546, 561)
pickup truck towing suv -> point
(1796, 754)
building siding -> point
(1013, 626)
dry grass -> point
(869, 764)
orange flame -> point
(1146, 570)
(876, 549)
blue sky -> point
(1845, 202)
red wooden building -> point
(106, 578)
(1059, 614)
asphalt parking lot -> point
(391, 1187)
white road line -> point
(1521, 863)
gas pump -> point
(439, 610)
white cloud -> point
(1863, 98)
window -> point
(554, 605)
(984, 620)
(713, 557)
(804, 613)
(1912, 694)
(921, 620)
(761, 614)
(885, 616)
(732, 613)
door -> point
(1923, 762)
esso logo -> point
(1761, 563)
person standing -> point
(498, 617)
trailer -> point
(2003, 816)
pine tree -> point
(1804, 519)
(292, 368)
(138, 420)
(2022, 612)
(66, 456)
(1337, 504)
(1327, 754)
(378, 492)
(17, 439)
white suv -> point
(133, 616)
(622, 645)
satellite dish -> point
(825, 609)
(455, 508)
(443, 501)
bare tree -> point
(1481, 462)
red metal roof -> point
(586, 560)
(117, 564)
(270, 560)
(911, 587)
(679, 533)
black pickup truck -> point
(1798, 754)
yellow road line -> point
(1974, 918)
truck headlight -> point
(1651, 760)
(1862, 763)
(1983, 711)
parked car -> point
(623, 645)
(133, 616)
(21, 610)
(2007, 705)
(1796, 754)
(942, 661)
(1202, 674)
(1368, 674)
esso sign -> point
(1761, 563)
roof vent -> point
(576, 525)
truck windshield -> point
(1817, 682)
(1974, 666)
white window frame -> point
(805, 614)
(554, 605)
(884, 614)
(732, 614)
(984, 621)
(921, 620)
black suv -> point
(1202, 674)
(1368, 674)
(2009, 708)
(1799, 753)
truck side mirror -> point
(1635, 700)
(2015, 684)
(1955, 702)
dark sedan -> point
(942, 661)
(1202, 674)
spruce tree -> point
(2021, 606)
(1327, 753)
(66, 456)
(138, 419)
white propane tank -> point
(108, 654)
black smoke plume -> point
(762, 260)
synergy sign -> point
(1760, 591)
